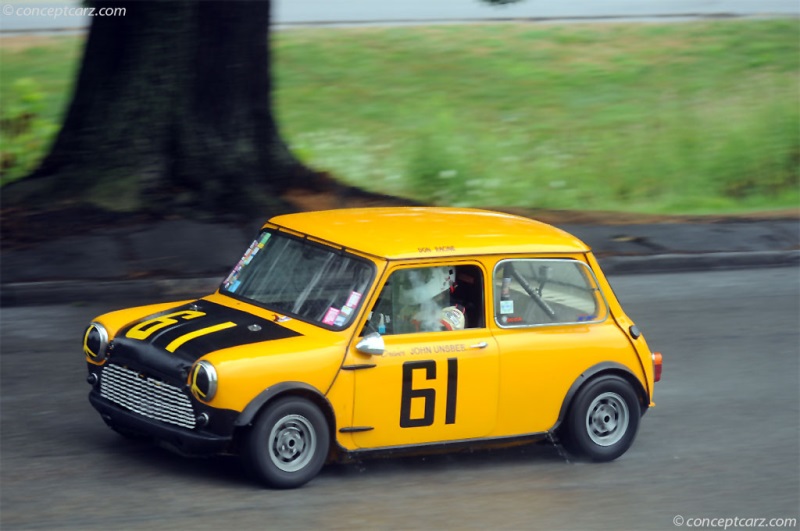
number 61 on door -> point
(428, 394)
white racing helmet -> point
(452, 318)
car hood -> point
(166, 344)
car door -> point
(551, 323)
(437, 378)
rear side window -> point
(533, 292)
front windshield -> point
(297, 277)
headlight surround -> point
(95, 342)
(203, 380)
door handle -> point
(482, 344)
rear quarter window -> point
(539, 292)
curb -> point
(682, 263)
(150, 290)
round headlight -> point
(95, 341)
(204, 380)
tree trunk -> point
(172, 112)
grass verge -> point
(699, 117)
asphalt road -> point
(15, 17)
(722, 442)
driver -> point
(425, 300)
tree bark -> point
(172, 111)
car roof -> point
(419, 232)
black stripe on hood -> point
(194, 330)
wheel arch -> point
(281, 390)
(608, 368)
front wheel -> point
(288, 444)
(603, 419)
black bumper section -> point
(180, 439)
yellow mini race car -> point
(345, 333)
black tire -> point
(603, 419)
(288, 443)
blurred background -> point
(674, 107)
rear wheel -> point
(603, 419)
(288, 444)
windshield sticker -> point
(506, 307)
(249, 250)
(231, 283)
(352, 301)
(330, 316)
(340, 320)
(233, 276)
(248, 255)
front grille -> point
(146, 396)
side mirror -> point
(371, 344)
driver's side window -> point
(429, 299)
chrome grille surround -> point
(146, 396)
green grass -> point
(699, 117)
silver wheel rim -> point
(292, 443)
(607, 419)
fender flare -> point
(606, 367)
(252, 409)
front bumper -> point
(182, 440)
